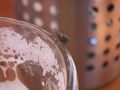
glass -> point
(33, 59)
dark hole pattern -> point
(105, 64)
(91, 55)
(117, 58)
(119, 19)
(107, 38)
(93, 26)
(118, 46)
(109, 22)
(110, 7)
(95, 9)
(90, 68)
(106, 51)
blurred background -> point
(7, 10)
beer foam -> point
(14, 85)
(37, 50)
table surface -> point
(6, 10)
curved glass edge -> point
(71, 68)
(72, 79)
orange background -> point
(7, 10)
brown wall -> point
(6, 9)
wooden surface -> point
(6, 10)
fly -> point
(63, 38)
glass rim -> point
(72, 81)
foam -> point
(45, 56)
(14, 85)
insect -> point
(63, 38)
